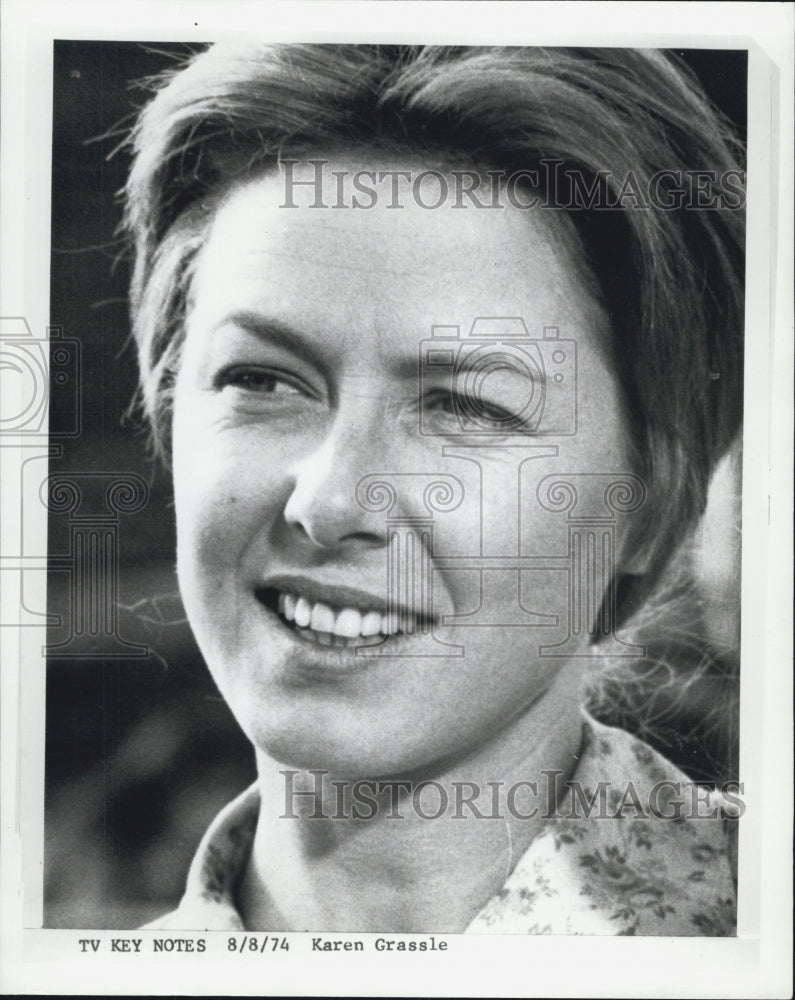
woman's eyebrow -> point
(274, 331)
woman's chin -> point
(313, 755)
(336, 753)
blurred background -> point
(141, 751)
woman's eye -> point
(258, 380)
(467, 410)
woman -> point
(431, 466)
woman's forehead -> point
(276, 245)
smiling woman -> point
(327, 406)
(435, 457)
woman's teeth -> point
(328, 623)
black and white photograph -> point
(389, 522)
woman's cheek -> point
(214, 523)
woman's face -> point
(305, 370)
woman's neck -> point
(385, 854)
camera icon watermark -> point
(500, 351)
(37, 373)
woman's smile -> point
(340, 618)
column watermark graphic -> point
(92, 560)
(409, 571)
(42, 375)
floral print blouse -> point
(604, 864)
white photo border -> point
(755, 963)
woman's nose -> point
(323, 503)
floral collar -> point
(584, 873)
